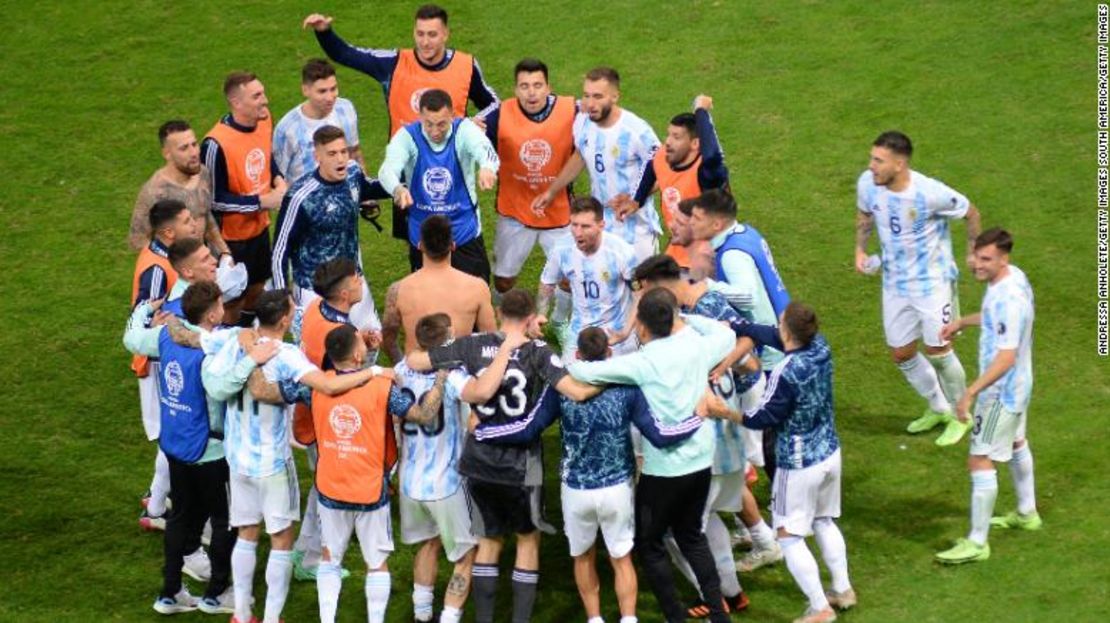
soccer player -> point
(422, 293)
(357, 452)
(614, 145)
(246, 184)
(434, 511)
(690, 163)
(598, 265)
(182, 178)
(1001, 396)
(194, 263)
(913, 214)
(597, 469)
(514, 377)
(533, 136)
(319, 222)
(169, 220)
(431, 154)
(671, 368)
(294, 148)
(799, 403)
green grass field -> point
(998, 97)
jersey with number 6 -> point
(913, 232)
(526, 387)
(599, 283)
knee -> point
(902, 354)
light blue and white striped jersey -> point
(430, 454)
(257, 433)
(728, 457)
(599, 283)
(913, 232)
(293, 148)
(616, 158)
(1007, 323)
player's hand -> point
(753, 364)
(479, 121)
(317, 22)
(160, 318)
(535, 328)
(963, 407)
(261, 352)
(949, 331)
(623, 205)
(272, 199)
(616, 337)
(472, 423)
(373, 339)
(703, 101)
(515, 339)
(486, 179)
(540, 203)
(402, 198)
(861, 261)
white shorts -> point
(994, 431)
(363, 314)
(906, 319)
(149, 404)
(275, 499)
(801, 495)
(515, 241)
(448, 519)
(610, 508)
(753, 439)
(726, 493)
(374, 529)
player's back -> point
(443, 290)
(597, 445)
(430, 452)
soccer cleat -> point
(964, 551)
(224, 604)
(738, 603)
(817, 616)
(953, 432)
(928, 421)
(700, 609)
(181, 602)
(843, 600)
(740, 537)
(197, 566)
(150, 523)
(759, 558)
(308, 574)
(1016, 520)
(145, 500)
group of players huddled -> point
(678, 371)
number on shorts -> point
(895, 225)
(978, 425)
(946, 313)
(599, 164)
(429, 430)
(510, 397)
(591, 289)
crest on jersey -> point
(175, 379)
(345, 421)
(671, 198)
(254, 165)
(605, 275)
(535, 153)
(615, 151)
(437, 183)
(414, 101)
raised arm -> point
(482, 388)
(339, 383)
(974, 228)
(426, 410)
(577, 390)
(378, 64)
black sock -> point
(524, 594)
(483, 588)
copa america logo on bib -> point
(345, 421)
(175, 379)
(535, 153)
(255, 164)
(437, 183)
(671, 198)
(414, 101)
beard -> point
(602, 114)
(187, 168)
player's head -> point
(332, 154)
(655, 314)
(433, 330)
(246, 97)
(890, 157)
(436, 114)
(430, 33)
(203, 304)
(992, 253)
(192, 260)
(532, 87)
(170, 220)
(587, 222)
(682, 144)
(681, 232)
(435, 238)
(600, 93)
(517, 308)
(713, 212)
(339, 282)
(319, 86)
(179, 146)
(274, 309)
(593, 344)
(798, 324)
(658, 271)
(344, 347)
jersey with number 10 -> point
(913, 232)
(430, 453)
(599, 283)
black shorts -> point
(255, 254)
(501, 510)
(470, 258)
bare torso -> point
(442, 289)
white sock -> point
(243, 557)
(763, 537)
(1021, 470)
(450, 614)
(595, 620)
(629, 619)
(950, 373)
(833, 551)
(719, 543)
(680, 562)
(159, 486)
(562, 306)
(279, 568)
(308, 541)
(328, 583)
(984, 489)
(803, 566)
(923, 378)
(377, 595)
(422, 598)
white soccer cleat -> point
(197, 565)
(224, 604)
(759, 558)
(181, 602)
